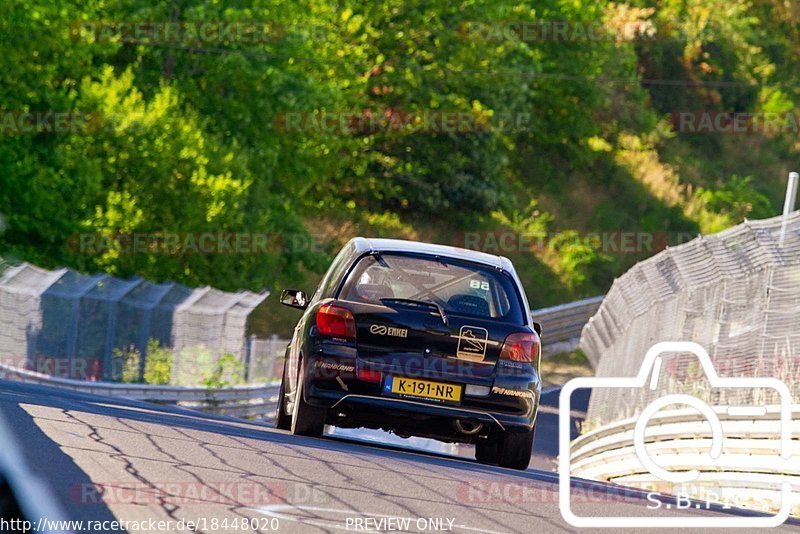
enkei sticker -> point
(383, 330)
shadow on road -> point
(201, 449)
(47, 460)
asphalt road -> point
(165, 464)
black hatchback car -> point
(419, 340)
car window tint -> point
(458, 287)
(331, 279)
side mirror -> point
(294, 298)
(538, 328)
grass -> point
(557, 370)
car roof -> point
(400, 245)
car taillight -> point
(335, 321)
(368, 375)
(521, 347)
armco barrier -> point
(243, 401)
(561, 326)
(749, 470)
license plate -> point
(422, 389)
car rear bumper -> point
(393, 406)
(332, 382)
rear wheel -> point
(307, 420)
(516, 449)
(486, 452)
(283, 420)
(511, 450)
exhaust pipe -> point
(469, 427)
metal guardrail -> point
(749, 469)
(562, 324)
(256, 400)
(561, 327)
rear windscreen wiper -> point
(412, 302)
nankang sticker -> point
(383, 330)
(524, 393)
(334, 366)
(472, 341)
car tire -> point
(307, 420)
(283, 420)
(486, 452)
(512, 450)
(515, 450)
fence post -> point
(788, 205)
(109, 373)
(72, 335)
(274, 351)
(144, 337)
(248, 356)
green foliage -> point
(158, 366)
(735, 200)
(530, 222)
(582, 263)
(126, 364)
(196, 367)
(199, 366)
(193, 138)
(228, 371)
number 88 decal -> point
(477, 284)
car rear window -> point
(460, 288)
